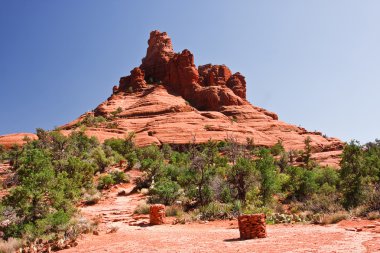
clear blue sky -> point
(316, 63)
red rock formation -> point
(157, 116)
(213, 75)
(16, 139)
(182, 75)
(206, 103)
(237, 84)
(135, 81)
(158, 54)
(179, 74)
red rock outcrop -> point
(135, 81)
(157, 116)
(179, 74)
(19, 139)
(182, 76)
(237, 84)
(158, 54)
(214, 75)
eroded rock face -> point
(182, 76)
(207, 87)
(237, 84)
(214, 75)
(134, 82)
(158, 54)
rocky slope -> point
(167, 99)
(16, 139)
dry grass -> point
(333, 218)
(9, 246)
(176, 211)
(373, 215)
(142, 208)
(92, 198)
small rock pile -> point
(252, 226)
(157, 214)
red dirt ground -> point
(217, 236)
(224, 237)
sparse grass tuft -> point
(142, 208)
(92, 197)
(171, 211)
(333, 218)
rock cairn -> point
(252, 226)
(157, 214)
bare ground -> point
(134, 235)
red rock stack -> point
(157, 214)
(252, 226)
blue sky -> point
(315, 63)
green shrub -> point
(3, 154)
(119, 177)
(166, 151)
(124, 147)
(277, 149)
(269, 182)
(329, 176)
(242, 177)
(215, 210)
(353, 175)
(196, 179)
(165, 192)
(300, 183)
(81, 172)
(43, 200)
(101, 159)
(93, 121)
(208, 127)
(105, 181)
(116, 112)
(77, 144)
(179, 159)
(308, 162)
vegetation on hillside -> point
(212, 180)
